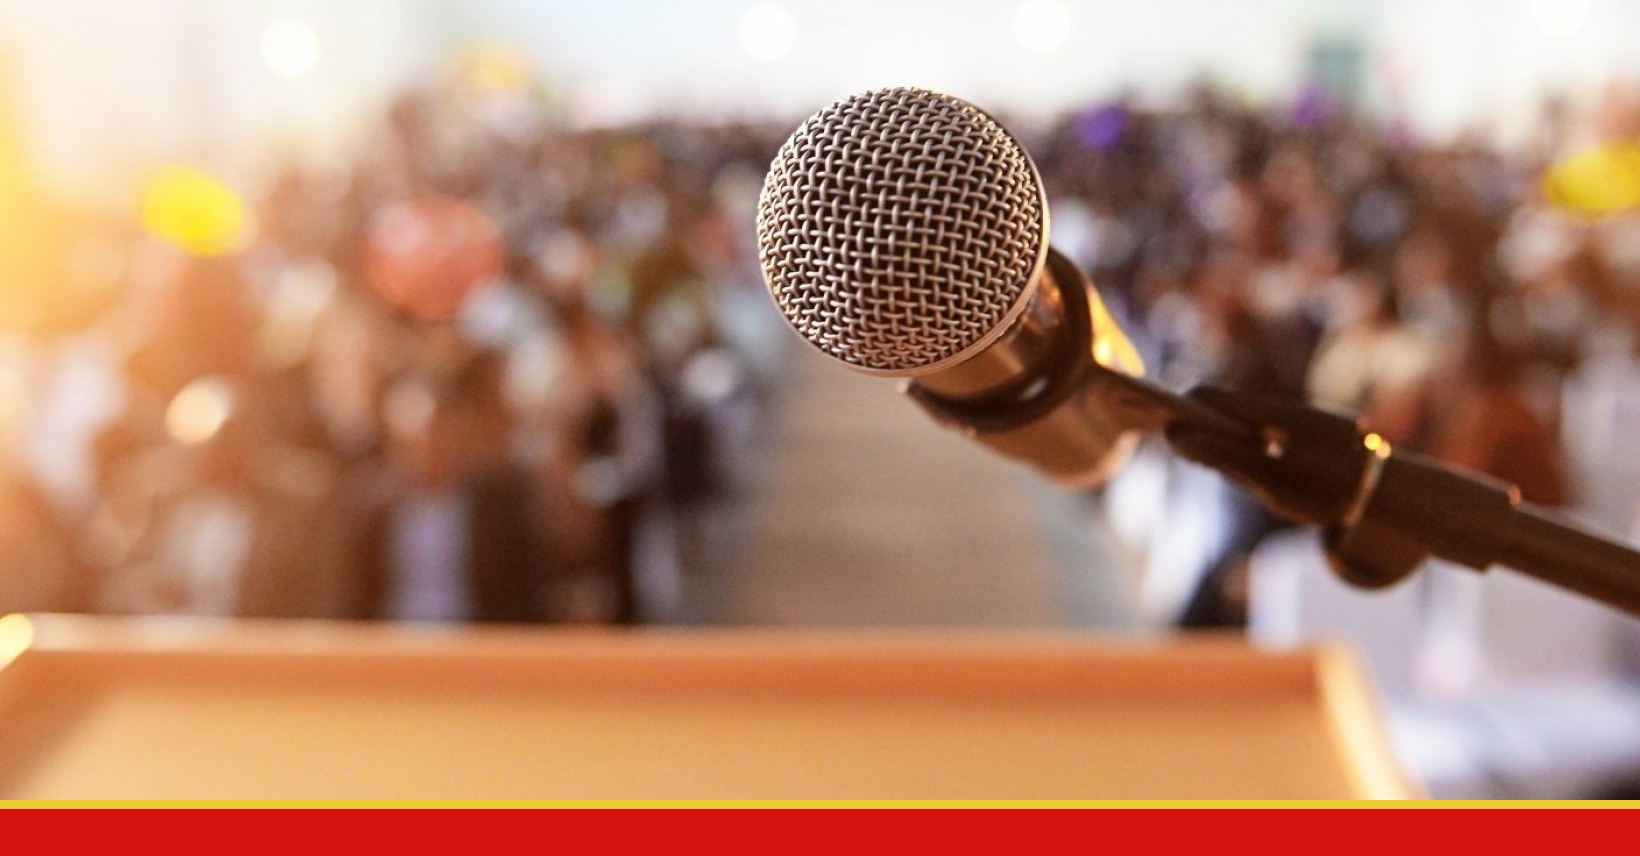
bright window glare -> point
(290, 48)
(1560, 18)
(1042, 26)
(767, 32)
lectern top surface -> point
(149, 708)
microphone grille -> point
(901, 228)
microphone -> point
(904, 233)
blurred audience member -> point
(1493, 429)
(447, 535)
(41, 572)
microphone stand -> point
(1382, 512)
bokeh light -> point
(1560, 18)
(1598, 181)
(495, 68)
(1042, 26)
(199, 410)
(290, 48)
(767, 32)
(427, 254)
(194, 211)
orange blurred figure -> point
(425, 255)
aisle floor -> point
(873, 515)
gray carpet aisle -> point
(873, 515)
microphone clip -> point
(1380, 515)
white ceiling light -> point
(767, 32)
(290, 48)
(1042, 26)
(1560, 18)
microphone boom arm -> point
(1382, 512)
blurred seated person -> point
(217, 515)
(447, 532)
(192, 317)
(40, 572)
(1370, 362)
(600, 419)
(1493, 429)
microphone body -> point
(905, 234)
(1048, 392)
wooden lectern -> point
(165, 708)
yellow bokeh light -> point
(1598, 181)
(197, 412)
(495, 68)
(194, 211)
(16, 636)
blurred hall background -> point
(436, 311)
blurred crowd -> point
(496, 369)
(1306, 254)
(489, 371)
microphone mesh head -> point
(901, 228)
